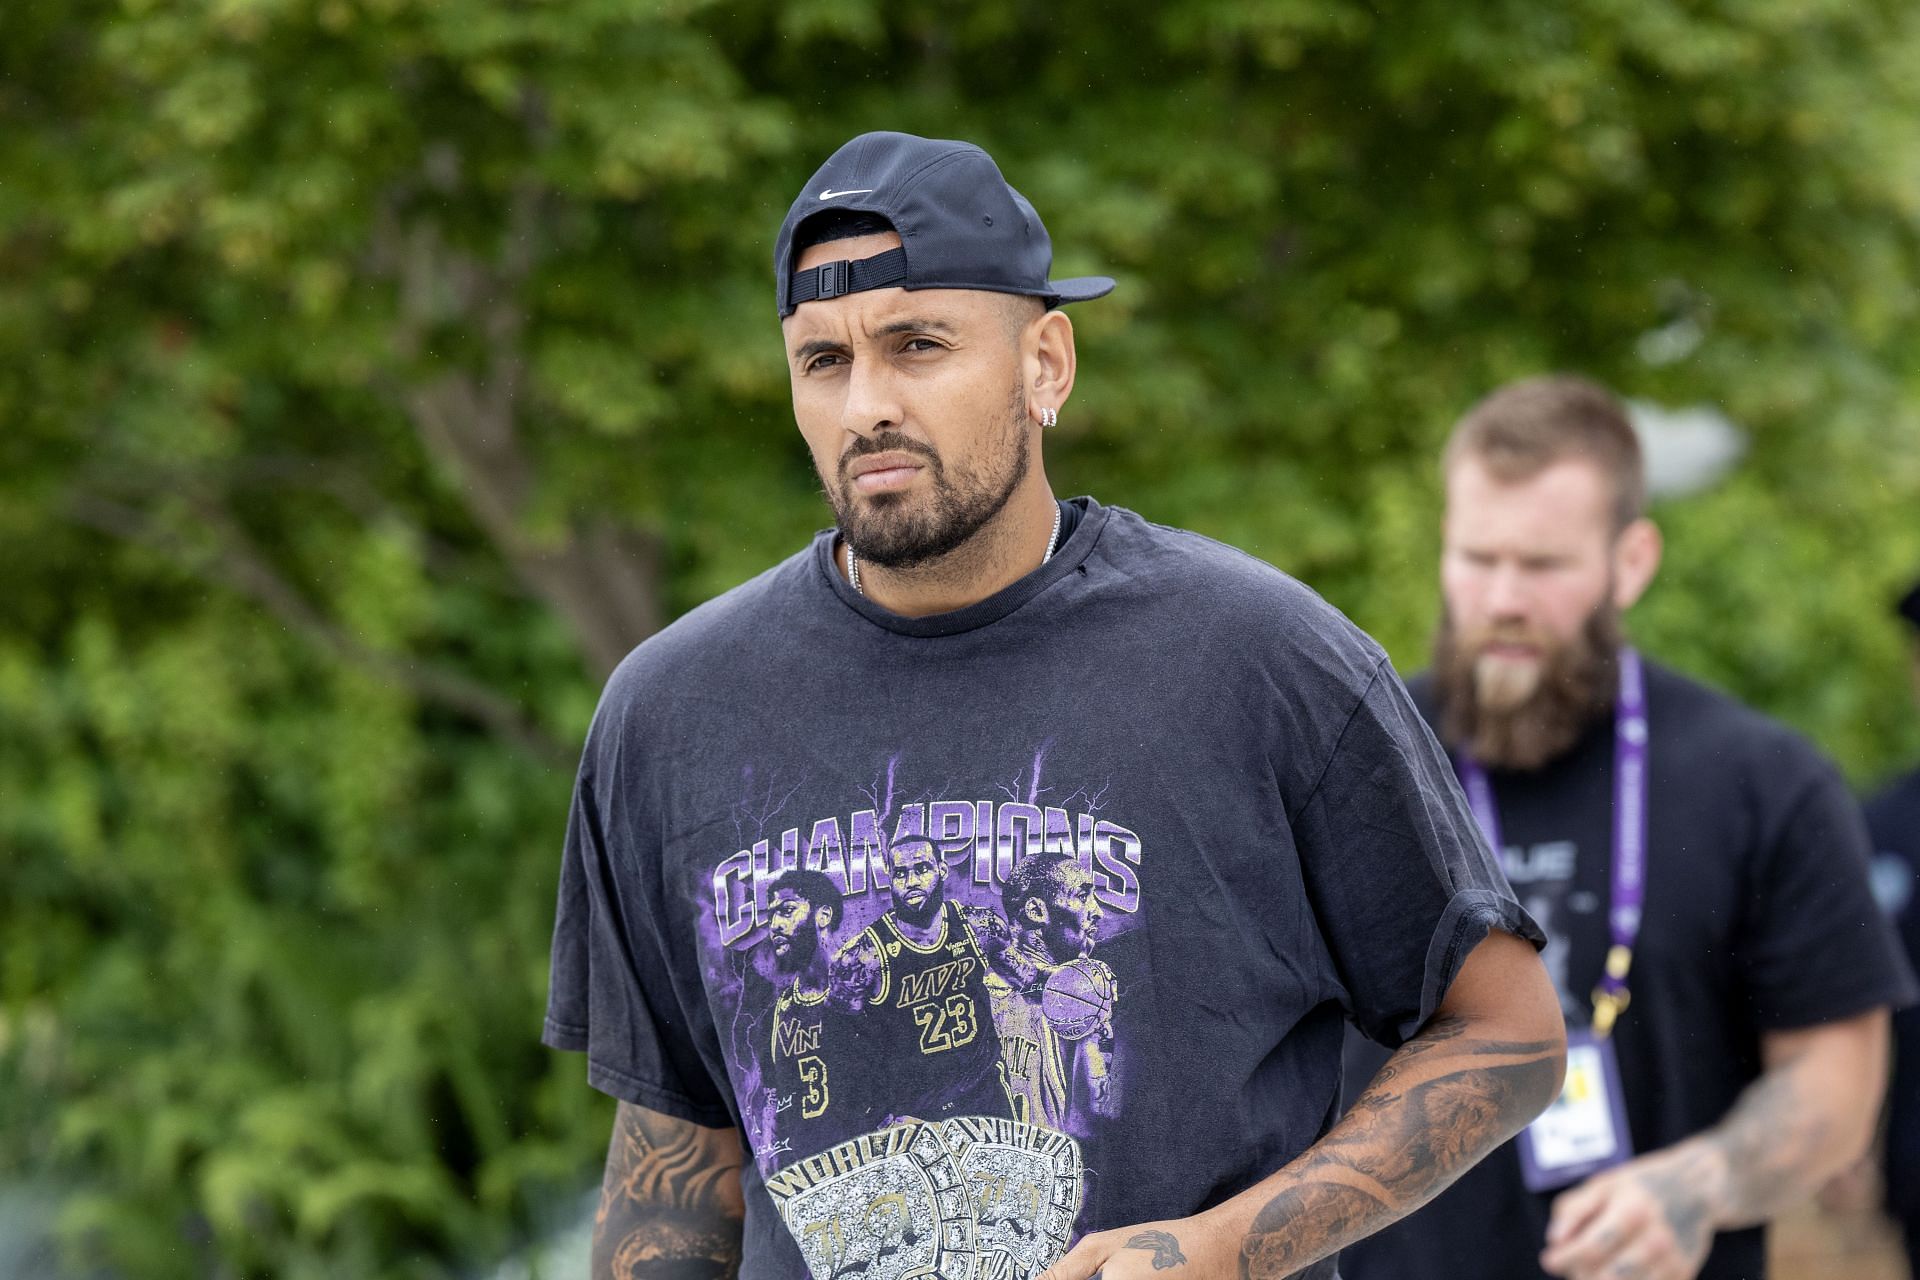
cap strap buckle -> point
(833, 279)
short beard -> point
(1577, 685)
(923, 915)
(799, 955)
(888, 533)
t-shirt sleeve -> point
(1815, 946)
(1401, 880)
(610, 993)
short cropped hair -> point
(1527, 426)
(837, 224)
(815, 888)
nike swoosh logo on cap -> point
(830, 193)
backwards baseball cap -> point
(961, 226)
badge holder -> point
(1585, 1130)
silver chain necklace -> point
(853, 565)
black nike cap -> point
(961, 226)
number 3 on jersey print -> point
(946, 1026)
(813, 1074)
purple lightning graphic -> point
(883, 805)
(755, 814)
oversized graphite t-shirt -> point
(1274, 839)
(1758, 917)
(1893, 818)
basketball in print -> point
(1078, 997)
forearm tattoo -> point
(671, 1206)
(1440, 1104)
(1771, 1140)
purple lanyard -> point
(1629, 871)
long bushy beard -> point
(900, 530)
(1507, 724)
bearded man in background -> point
(1699, 870)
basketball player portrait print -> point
(814, 1046)
(1053, 1002)
(918, 975)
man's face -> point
(918, 881)
(1073, 915)
(913, 406)
(792, 931)
(1525, 565)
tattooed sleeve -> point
(671, 1207)
(1439, 1105)
(1791, 1128)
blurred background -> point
(375, 373)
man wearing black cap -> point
(1894, 818)
(966, 673)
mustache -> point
(886, 442)
(1480, 638)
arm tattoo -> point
(671, 1206)
(1164, 1245)
(1439, 1105)
(1771, 1140)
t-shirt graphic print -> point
(941, 1030)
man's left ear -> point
(1050, 361)
(1636, 558)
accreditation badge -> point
(1585, 1130)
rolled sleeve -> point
(1402, 882)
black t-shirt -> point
(1237, 833)
(1893, 816)
(1758, 917)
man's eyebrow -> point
(807, 350)
(916, 325)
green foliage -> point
(372, 372)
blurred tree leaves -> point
(377, 371)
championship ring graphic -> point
(1023, 1185)
(884, 1206)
